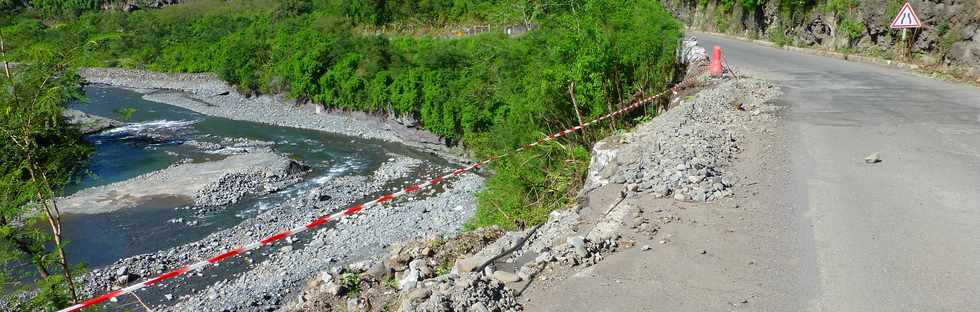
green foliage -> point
(839, 7)
(727, 5)
(63, 7)
(722, 20)
(489, 92)
(391, 281)
(848, 26)
(751, 5)
(778, 36)
(444, 268)
(125, 113)
(292, 8)
(949, 37)
(351, 283)
(434, 12)
(892, 10)
(851, 27)
(39, 153)
(791, 10)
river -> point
(159, 135)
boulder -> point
(411, 279)
(506, 277)
(578, 244)
(469, 264)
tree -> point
(39, 153)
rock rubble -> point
(683, 153)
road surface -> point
(900, 235)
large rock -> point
(89, 124)
(967, 54)
(468, 264)
(410, 281)
(506, 277)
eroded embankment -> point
(684, 156)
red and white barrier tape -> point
(269, 240)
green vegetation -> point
(351, 283)
(751, 5)
(125, 113)
(39, 154)
(848, 26)
(851, 28)
(839, 7)
(793, 10)
(778, 36)
(790, 10)
(949, 37)
(722, 20)
(51, 8)
(488, 92)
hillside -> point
(484, 94)
(949, 39)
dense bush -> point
(489, 92)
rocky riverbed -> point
(213, 183)
(273, 273)
(234, 171)
(206, 94)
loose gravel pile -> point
(683, 154)
(269, 282)
(232, 186)
(276, 271)
(205, 84)
(469, 292)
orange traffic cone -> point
(716, 69)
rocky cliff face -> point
(133, 5)
(950, 36)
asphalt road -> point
(900, 235)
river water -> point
(159, 135)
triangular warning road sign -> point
(906, 18)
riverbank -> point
(443, 209)
(213, 183)
(235, 285)
(206, 94)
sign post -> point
(906, 19)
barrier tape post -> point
(319, 221)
